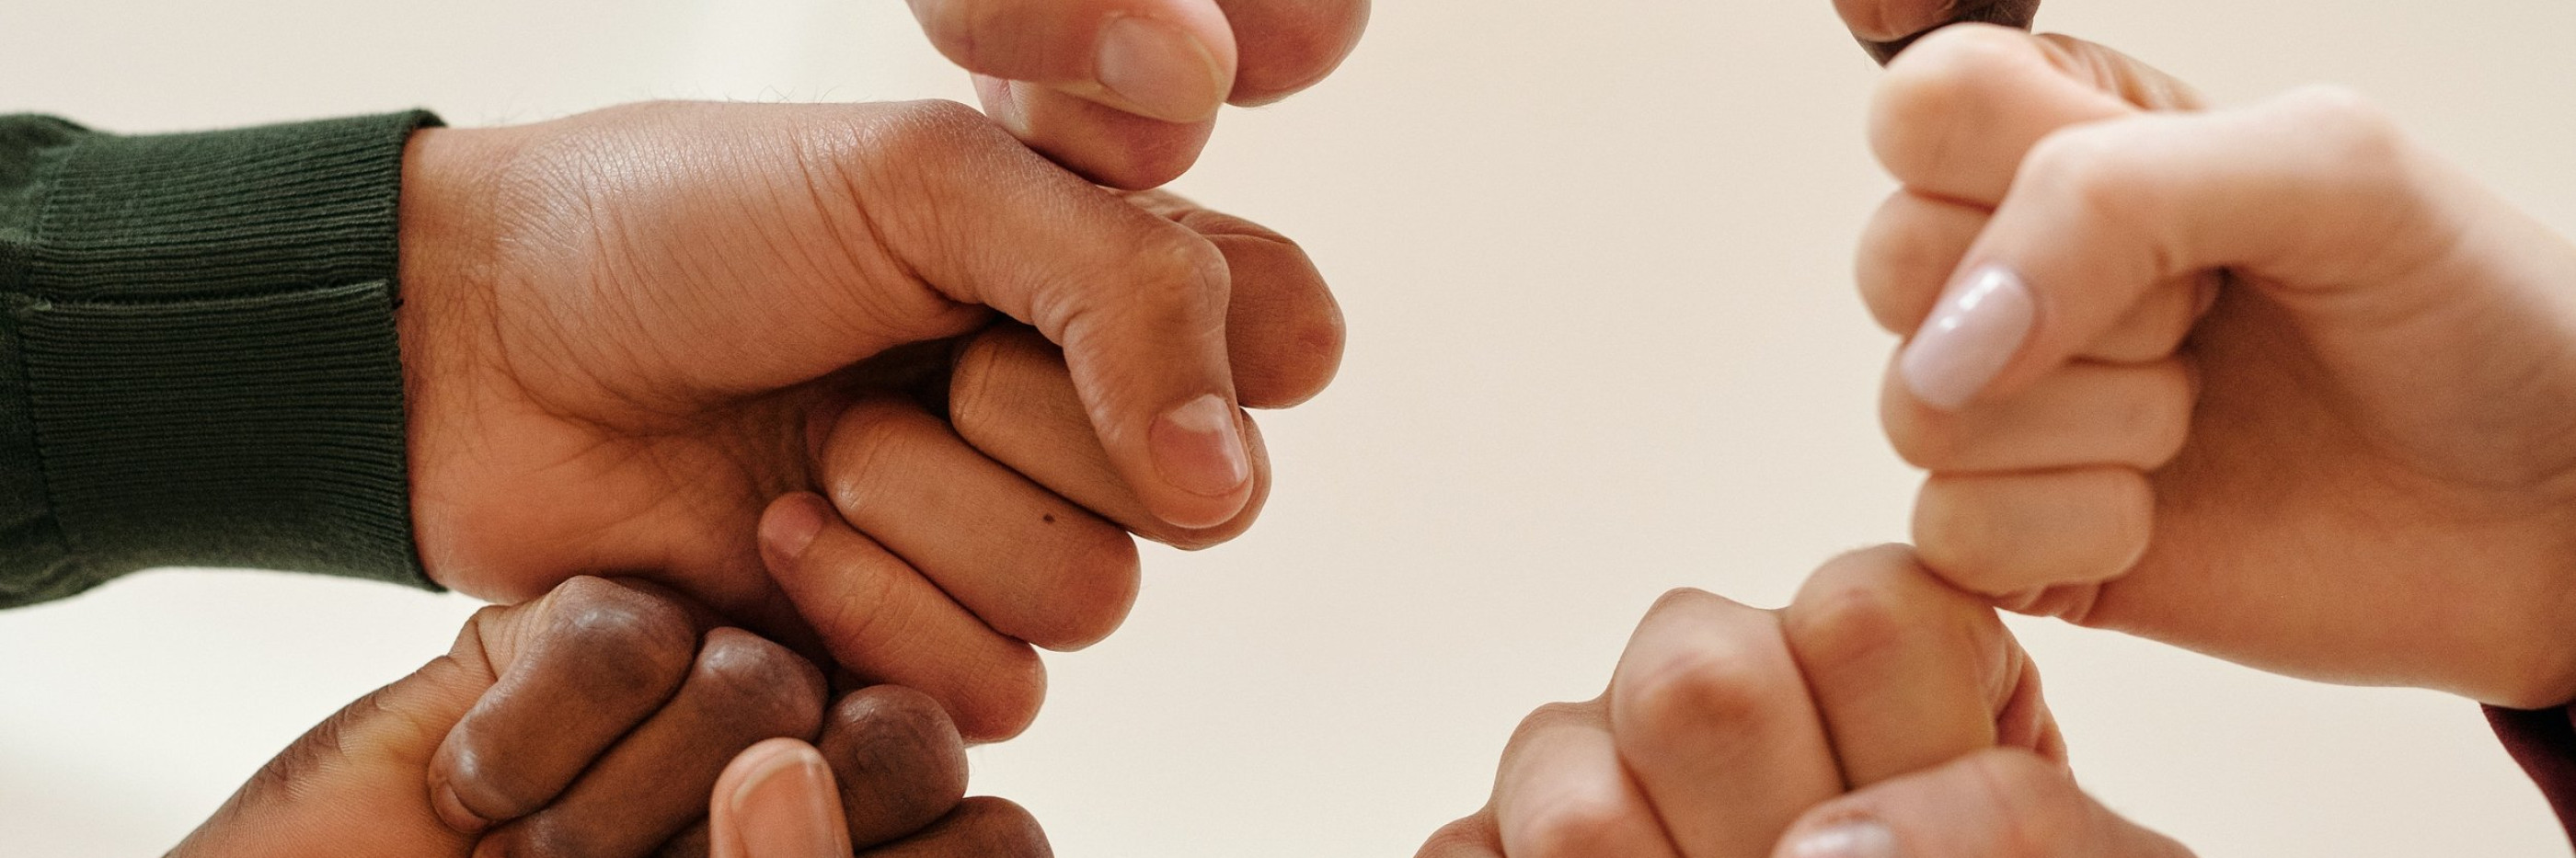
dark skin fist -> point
(598, 721)
(1885, 27)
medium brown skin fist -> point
(627, 333)
(595, 722)
(1881, 707)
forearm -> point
(198, 365)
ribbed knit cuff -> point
(205, 327)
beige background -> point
(1603, 343)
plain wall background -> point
(1595, 259)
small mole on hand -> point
(1049, 517)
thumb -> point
(1172, 60)
(777, 799)
(1137, 301)
(2000, 803)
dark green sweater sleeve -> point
(198, 363)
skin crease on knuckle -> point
(1726, 686)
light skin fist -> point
(603, 720)
(1828, 729)
(1125, 92)
(627, 333)
(2270, 382)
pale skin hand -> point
(608, 719)
(627, 333)
(1126, 92)
(1882, 713)
(2271, 382)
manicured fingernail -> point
(1198, 448)
(1975, 330)
(782, 809)
(789, 529)
(1161, 70)
(1857, 839)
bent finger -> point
(2013, 533)
(1012, 398)
(1028, 563)
(885, 622)
(1717, 727)
(1996, 802)
(1563, 791)
(1137, 301)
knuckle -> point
(1952, 75)
(2040, 806)
(1842, 624)
(759, 682)
(629, 640)
(1554, 716)
(868, 445)
(2083, 165)
(1098, 586)
(1292, 45)
(1696, 690)
(1576, 822)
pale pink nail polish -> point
(1972, 335)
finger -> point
(2000, 534)
(980, 827)
(1028, 563)
(1907, 672)
(1995, 802)
(2107, 213)
(898, 761)
(1011, 398)
(1914, 243)
(777, 800)
(585, 664)
(1112, 138)
(1172, 60)
(1472, 837)
(1956, 116)
(1715, 724)
(1100, 143)
(654, 782)
(1283, 329)
(1563, 792)
(2081, 415)
(887, 623)
(1137, 302)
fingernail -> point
(1858, 839)
(1199, 448)
(1980, 322)
(782, 811)
(1161, 70)
(788, 530)
(452, 811)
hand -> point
(594, 721)
(1730, 731)
(625, 333)
(2273, 383)
(1125, 92)
(1885, 27)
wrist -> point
(447, 232)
